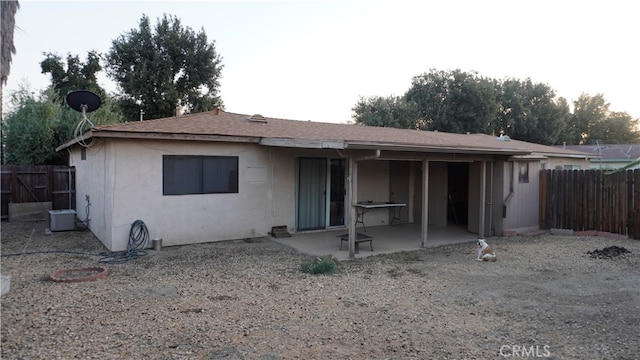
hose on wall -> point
(138, 240)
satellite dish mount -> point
(84, 101)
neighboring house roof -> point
(610, 152)
(219, 125)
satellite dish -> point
(83, 100)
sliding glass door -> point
(312, 190)
(317, 178)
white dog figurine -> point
(485, 252)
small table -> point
(360, 237)
(363, 207)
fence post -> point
(14, 184)
(49, 196)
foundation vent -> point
(279, 231)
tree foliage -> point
(391, 111)
(459, 102)
(76, 75)
(38, 124)
(8, 9)
(593, 122)
(587, 112)
(28, 131)
(454, 101)
(161, 68)
(617, 128)
(530, 112)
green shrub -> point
(324, 265)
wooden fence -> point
(38, 183)
(591, 200)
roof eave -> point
(76, 140)
(435, 149)
(303, 143)
(157, 136)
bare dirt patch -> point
(544, 297)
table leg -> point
(360, 218)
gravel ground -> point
(545, 297)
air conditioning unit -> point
(62, 220)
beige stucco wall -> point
(522, 209)
(373, 185)
(92, 182)
(552, 162)
(124, 180)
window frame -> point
(202, 172)
(523, 172)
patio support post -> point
(412, 190)
(352, 180)
(483, 197)
(425, 201)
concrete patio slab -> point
(386, 239)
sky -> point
(313, 60)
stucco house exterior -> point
(218, 175)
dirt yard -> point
(545, 297)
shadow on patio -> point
(386, 239)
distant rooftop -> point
(609, 152)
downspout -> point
(69, 175)
(490, 204)
(507, 199)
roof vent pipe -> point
(257, 118)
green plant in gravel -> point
(321, 265)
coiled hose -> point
(138, 240)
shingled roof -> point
(610, 152)
(219, 125)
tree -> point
(616, 128)
(37, 125)
(454, 101)
(530, 112)
(28, 131)
(587, 112)
(593, 122)
(8, 11)
(391, 111)
(76, 76)
(163, 68)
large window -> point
(199, 174)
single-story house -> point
(610, 156)
(218, 175)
